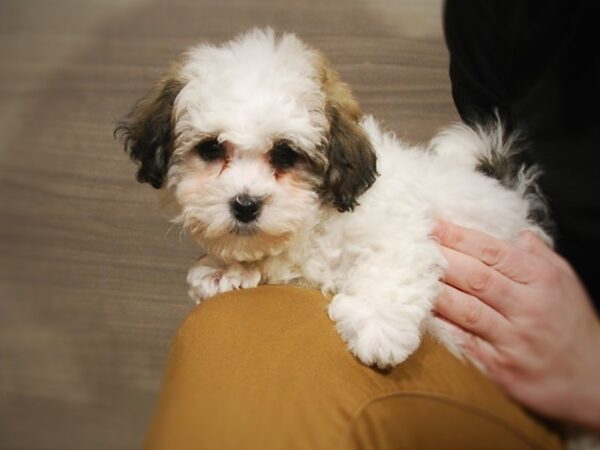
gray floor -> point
(92, 282)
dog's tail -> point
(492, 151)
(487, 148)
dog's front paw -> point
(206, 281)
(374, 337)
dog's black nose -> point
(245, 208)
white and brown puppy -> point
(280, 179)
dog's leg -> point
(381, 310)
(209, 277)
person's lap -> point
(265, 369)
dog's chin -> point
(244, 243)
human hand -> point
(528, 318)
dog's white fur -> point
(378, 262)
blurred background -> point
(92, 281)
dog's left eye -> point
(283, 156)
(210, 150)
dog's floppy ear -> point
(352, 167)
(148, 131)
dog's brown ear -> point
(352, 167)
(148, 131)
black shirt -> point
(538, 64)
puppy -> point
(280, 179)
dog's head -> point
(252, 137)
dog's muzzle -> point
(245, 208)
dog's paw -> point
(375, 338)
(378, 344)
(206, 281)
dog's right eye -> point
(211, 150)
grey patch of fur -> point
(504, 160)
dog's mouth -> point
(244, 229)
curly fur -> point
(352, 215)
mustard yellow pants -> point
(265, 369)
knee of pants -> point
(265, 369)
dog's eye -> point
(283, 156)
(210, 150)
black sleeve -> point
(538, 64)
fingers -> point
(482, 333)
(531, 243)
(482, 352)
(511, 261)
(473, 277)
(470, 314)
